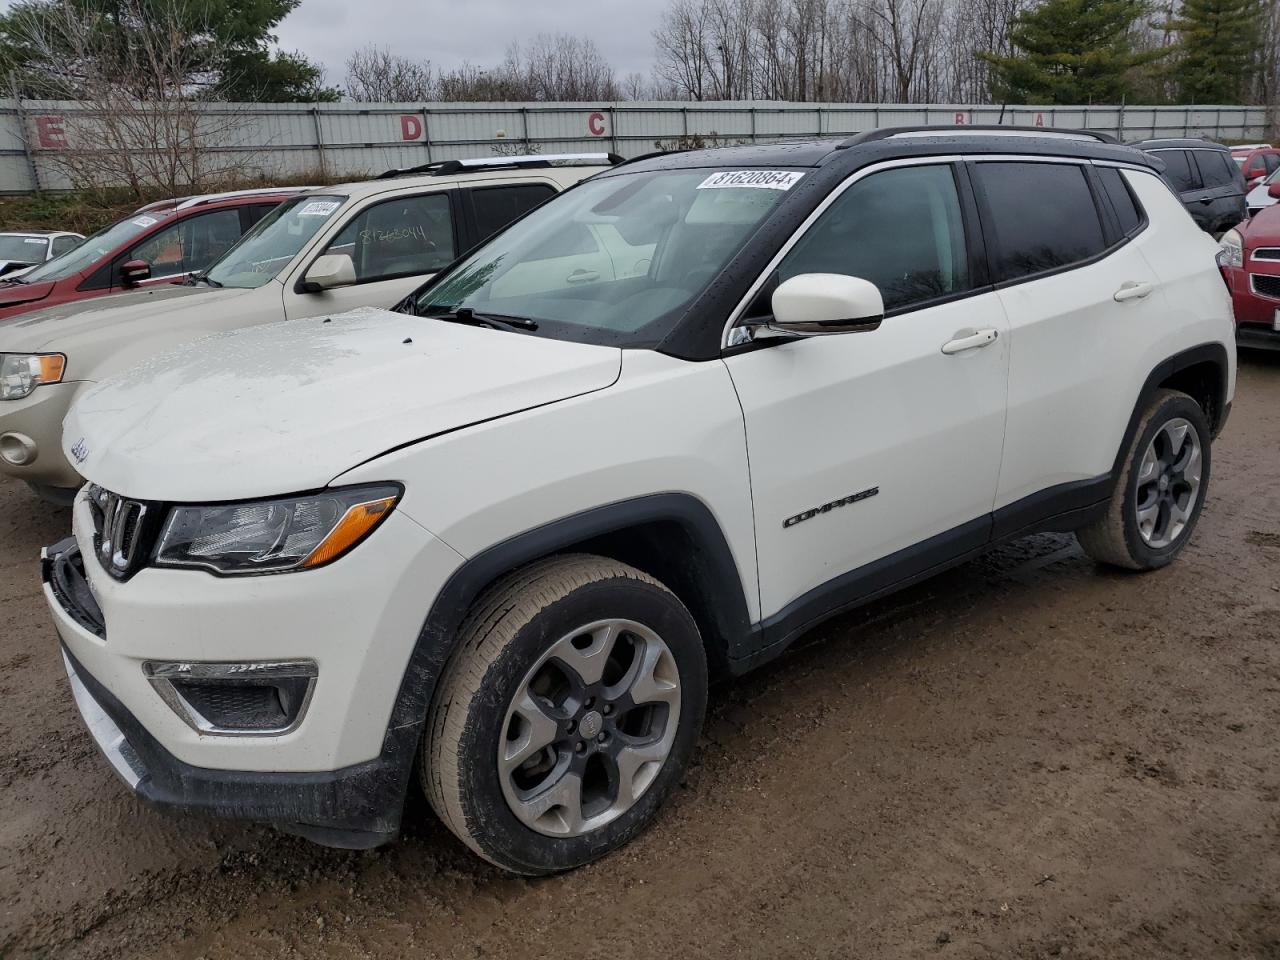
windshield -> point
(615, 260)
(95, 248)
(23, 249)
(267, 249)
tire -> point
(1121, 538)
(528, 634)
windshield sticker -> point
(318, 208)
(35, 240)
(145, 221)
(759, 179)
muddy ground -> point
(1025, 757)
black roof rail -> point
(444, 168)
(992, 129)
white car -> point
(322, 251)
(20, 250)
(498, 540)
(1260, 196)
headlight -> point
(20, 373)
(274, 536)
(1231, 249)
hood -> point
(116, 315)
(1262, 229)
(12, 294)
(286, 407)
(1259, 197)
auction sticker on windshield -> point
(759, 179)
(318, 208)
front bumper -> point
(341, 776)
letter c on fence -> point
(410, 127)
(595, 124)
(50, 134)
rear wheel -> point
(1161, 489)
(571, 707)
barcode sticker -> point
(758, 179)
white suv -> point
(325, 251)
(499, 540)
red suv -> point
(162, 242)
(1250, 262)
(1256, 162)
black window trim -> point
(1108, 229)
(973, 237)
(449, 193)
(1143, 220)
(1191, 165)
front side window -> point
(63, 245)
(190, 244)
(1041, 216)
(398, 238)
(901, 229)
(616, 260)
(276, 239)
(1271, 161)
(1178, 169)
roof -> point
(200, 199)
(39, 233)
(850, 153)
(496, 169)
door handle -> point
(1205, 200)
(1132, 290)
(970, 340)
(582, 276)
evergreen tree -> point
(1217, 52)
(1071, 51)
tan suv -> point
(325, 251)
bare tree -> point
(376, 75)
(144, 118)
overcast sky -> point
(450, 33)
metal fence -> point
(291, 140)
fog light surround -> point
(18, 450)
(252, 699)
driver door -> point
(875, 455)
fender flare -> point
(438, 637)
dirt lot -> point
(1025, 757)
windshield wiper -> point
(193, 280)
(497, 321)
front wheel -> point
(1161, 489)
(569, 710)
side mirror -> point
(1274, 190)
(331, 270)
(814, 304)
(133, 272)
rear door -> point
(1082, 303)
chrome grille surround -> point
(119, 526)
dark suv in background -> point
(1206, 179)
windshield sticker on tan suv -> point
(145, 221)
(318, 208)
(758, 179)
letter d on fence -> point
(410, 127)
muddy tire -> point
(569, 710)
(1160, 493)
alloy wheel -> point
(1168, 483)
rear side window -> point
(1042, 216)
(1178, 169)
(1215, 169)
(1122, 202)
(62, 244)
(497, 206)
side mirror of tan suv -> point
(329, 271)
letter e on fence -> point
(595, 124)
(410, 127)
(50, 134)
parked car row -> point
(20, 250)
(302, 253)
(494, 531)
